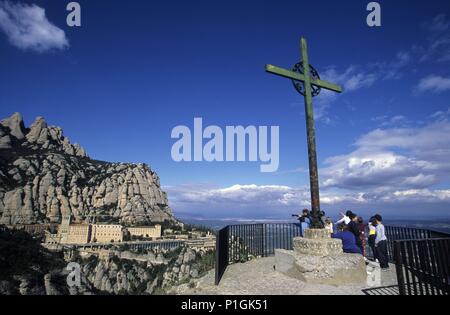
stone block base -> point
(342, 269)
(318, 246)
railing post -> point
(222, 248)
(263, 236)
(399, 268)
(218, 256)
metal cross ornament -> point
(307, 82)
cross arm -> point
(300, 77)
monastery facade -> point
(69, 233)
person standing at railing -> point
(381, 243)
(372, 235)
(304, 219)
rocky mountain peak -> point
(14, 134)
(43, 177)
(36, 129)
(15, 125)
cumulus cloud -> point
(394, 158)
(434, 84)
(278, 202)
(28, 28)
(389, 169)
(243, 195)
(246, 200)
(422, 195)
(363, 169)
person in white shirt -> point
(345, 218)
(381, 243)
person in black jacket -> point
(353, 227)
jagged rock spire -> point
(43, 186)
(15, 125)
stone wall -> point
(145, 231)
(79, 234)
(105, 233)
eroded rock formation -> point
(43, 177)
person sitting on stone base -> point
(348, 240)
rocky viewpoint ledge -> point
(258, 277)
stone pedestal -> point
(318, 258)
(317, 242)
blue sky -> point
(136, 69)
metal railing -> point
(423, 266)
(395, 233)
(240, 243)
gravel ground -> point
(258, 277)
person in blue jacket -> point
(348, 240)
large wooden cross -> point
(308, 83)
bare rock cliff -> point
(43, 176)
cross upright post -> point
(308, 83)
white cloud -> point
(351, 79)
(244, 195)
(432, 136)
(395, 158)
(278, 202)
(242, 200)
(386, 121)
(391, 169)
(434, 83)
(27, 27)
(393, 70)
